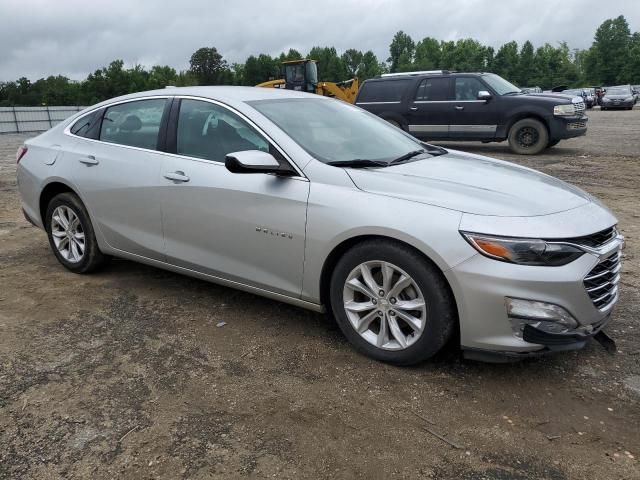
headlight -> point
(523, 251)
(604, 99)
(568, 109)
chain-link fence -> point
(33, 119)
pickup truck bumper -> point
(567, 127)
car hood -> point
(556, 98)
(472, 184)
(617, 97)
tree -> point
(609, 52)
(331, 68)
(427, 54)
(401, 52)
(632, 68)
(370, 66)
(505, 63)
(526, 68)
(352, 60)
(208, 67)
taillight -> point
(22, 150)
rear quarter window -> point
(390, 91)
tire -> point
(75, 248)
(436, 317)
(552, 143)
(528, 137)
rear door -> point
(118, 175)
(429, 110)
(470, 117)
(248, 228)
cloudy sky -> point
(74, 37)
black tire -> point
(441, 314)
(602, 109)
(528, 137)
(92, 258)
(553, 143)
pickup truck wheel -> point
(392, 304)
(528, 137)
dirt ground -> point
(124, 373)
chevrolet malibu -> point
(317, 203)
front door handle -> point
(89, 160)
(459, 107)
(177, 176)
(413, 109)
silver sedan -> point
(317, 203)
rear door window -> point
(433, 89)
(385, 91)
(88, 126)
(136, 123)
(207, 130)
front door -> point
(470, 117)
(118, 175)
(248, 228)
(429, 111)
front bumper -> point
(481, 285)
(561, 127)
(621, 104)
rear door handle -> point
(459, 107)
(413, 109)
(177, 176)
(89, 160)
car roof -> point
(225, 94)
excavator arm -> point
(345, 91)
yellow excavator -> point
(302, 75)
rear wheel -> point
(528, 137)
(391, 303)
(71, 234)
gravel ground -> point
(124, 374)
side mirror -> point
(484, 95)
(254, 161)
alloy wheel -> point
(68, 234)
(384, 305)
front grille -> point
(601, 282)
(576, 125)
(595, 240)
(580, 108)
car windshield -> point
(334, 131)
(499, 84)
(618, 91)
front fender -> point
(338, 213)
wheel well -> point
(522, 116)
(339, 251)
(50, 191)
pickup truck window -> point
(433, 89)
(386, 91)
(467, 88)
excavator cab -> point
(300, 75)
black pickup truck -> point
(442, 105)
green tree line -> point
(612, 59)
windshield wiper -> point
(407, 156)
(357, 163)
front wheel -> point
(391, 303)
(71, 234)
(528, 137)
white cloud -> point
(72, 37)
